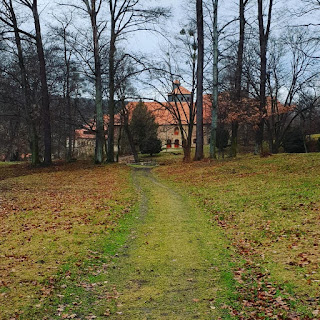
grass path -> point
(170, 269)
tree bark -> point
(213, 135)
(238, 76)
(199, 102)
(44, 87)
(100, 138)
(111, 104)
(263, 39)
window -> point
(194, 140)
(176, 143)
(176, 131)
(168, 144)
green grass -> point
(52, 219)
(235, 239)
(172, 268)
(268, 209)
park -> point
(159, 159)
(234, 239)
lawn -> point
(62, 230)
(269, 208)
(52, 220)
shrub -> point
(293, 141)
(151, 145)
(222, 138)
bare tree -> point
(200, 66)
(215, 82)
(296, 78)
(33, 6)
(180, 62)
(64, 46)
(264, 32)
(126, 16)
(238, 74)
(8, 16)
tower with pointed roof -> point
(179, 93)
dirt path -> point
(170, 269)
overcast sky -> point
(181, 9)
(151, 44)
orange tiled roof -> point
(165, 112)
(179, 90)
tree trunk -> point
(238, 77)
(263, 38)
(214, 116)
(234, 138)
(111, 105)
(130, 138)
(32, 131)
(68, 100)
(34, 146)
(199, 103)
(44, 87)
(119, 142)
(186, 152)
(100, 138)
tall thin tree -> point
(215, 82)
(264, 32)
(92, 8)
(45, 105)
(238, 75)
(200, 65)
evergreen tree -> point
(144, 130)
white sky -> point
(150, 43)
(228, 9)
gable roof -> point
(179, 90)
(166, 113)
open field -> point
(269, 208)
(53, 219)
(229, 239)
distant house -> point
(179, 99)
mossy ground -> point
(51, 219)
(173, 267)
(269, 210)
(230, 239)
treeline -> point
(58, 76)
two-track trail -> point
(172, 265)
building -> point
(173, 118)
(170, 115)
